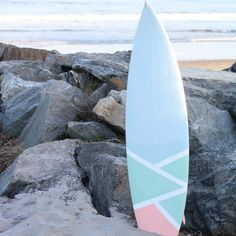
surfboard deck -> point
(156, 130)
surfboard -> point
(156, 130)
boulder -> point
(48, 198)
(18, 110)
(90, 131)
(98, 94)
(211, 101)
(218, 88)
(55, 110)
(106, 161)
(112, 109)
(10, 52)
(210, 127)
(38, 71)
(40, 168)
(109, 68)
(12, 85)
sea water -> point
(199, 29)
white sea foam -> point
(73, 22)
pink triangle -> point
(150, 219)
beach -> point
(216, 65)
(198, 30)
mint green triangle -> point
(178, 168)
(175, 206)
(146, 183)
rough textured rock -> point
(211, 109)
(210, 127)
(106, 67)
(218, 88)
(98, 94)
(38, 71)
(10, 52)
(90, 131)
(49, 198)
(112, 109)
(106, 161)
(40, 167)
(109, 68)
(11, 85)
(18, 110)
(55, 110)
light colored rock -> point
(112, 109)
(90, 131)
(210, 127)
(41, 166)
(53, 201)
(55, 110)
(12, 85)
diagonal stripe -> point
(160, 198)
(157, 170)
(168, 216)
(172, 158)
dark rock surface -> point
(11, 85)
(109, 68)
(90, 131)
(37, 71)
(19, 109)
(55, 110)
(106, 161)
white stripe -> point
(160, 198)
(156, 169)
(168, 216)
(172, 158)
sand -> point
(216, 65)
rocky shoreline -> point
(66, 115)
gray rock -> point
(98, 94)
(40, 167)
(90, 131)
(109, 68)
(37, 71)
(49, 198)
(73, 79)
(218, 88)
(112, 109)
(106, 67)
(210, 127)
(18, 110)
(211, 109)
(80, 80)
(55, 110)
(106, 161)
(87, 104)
(11, 85)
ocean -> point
(199, 29)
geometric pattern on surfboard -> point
(163, 202)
